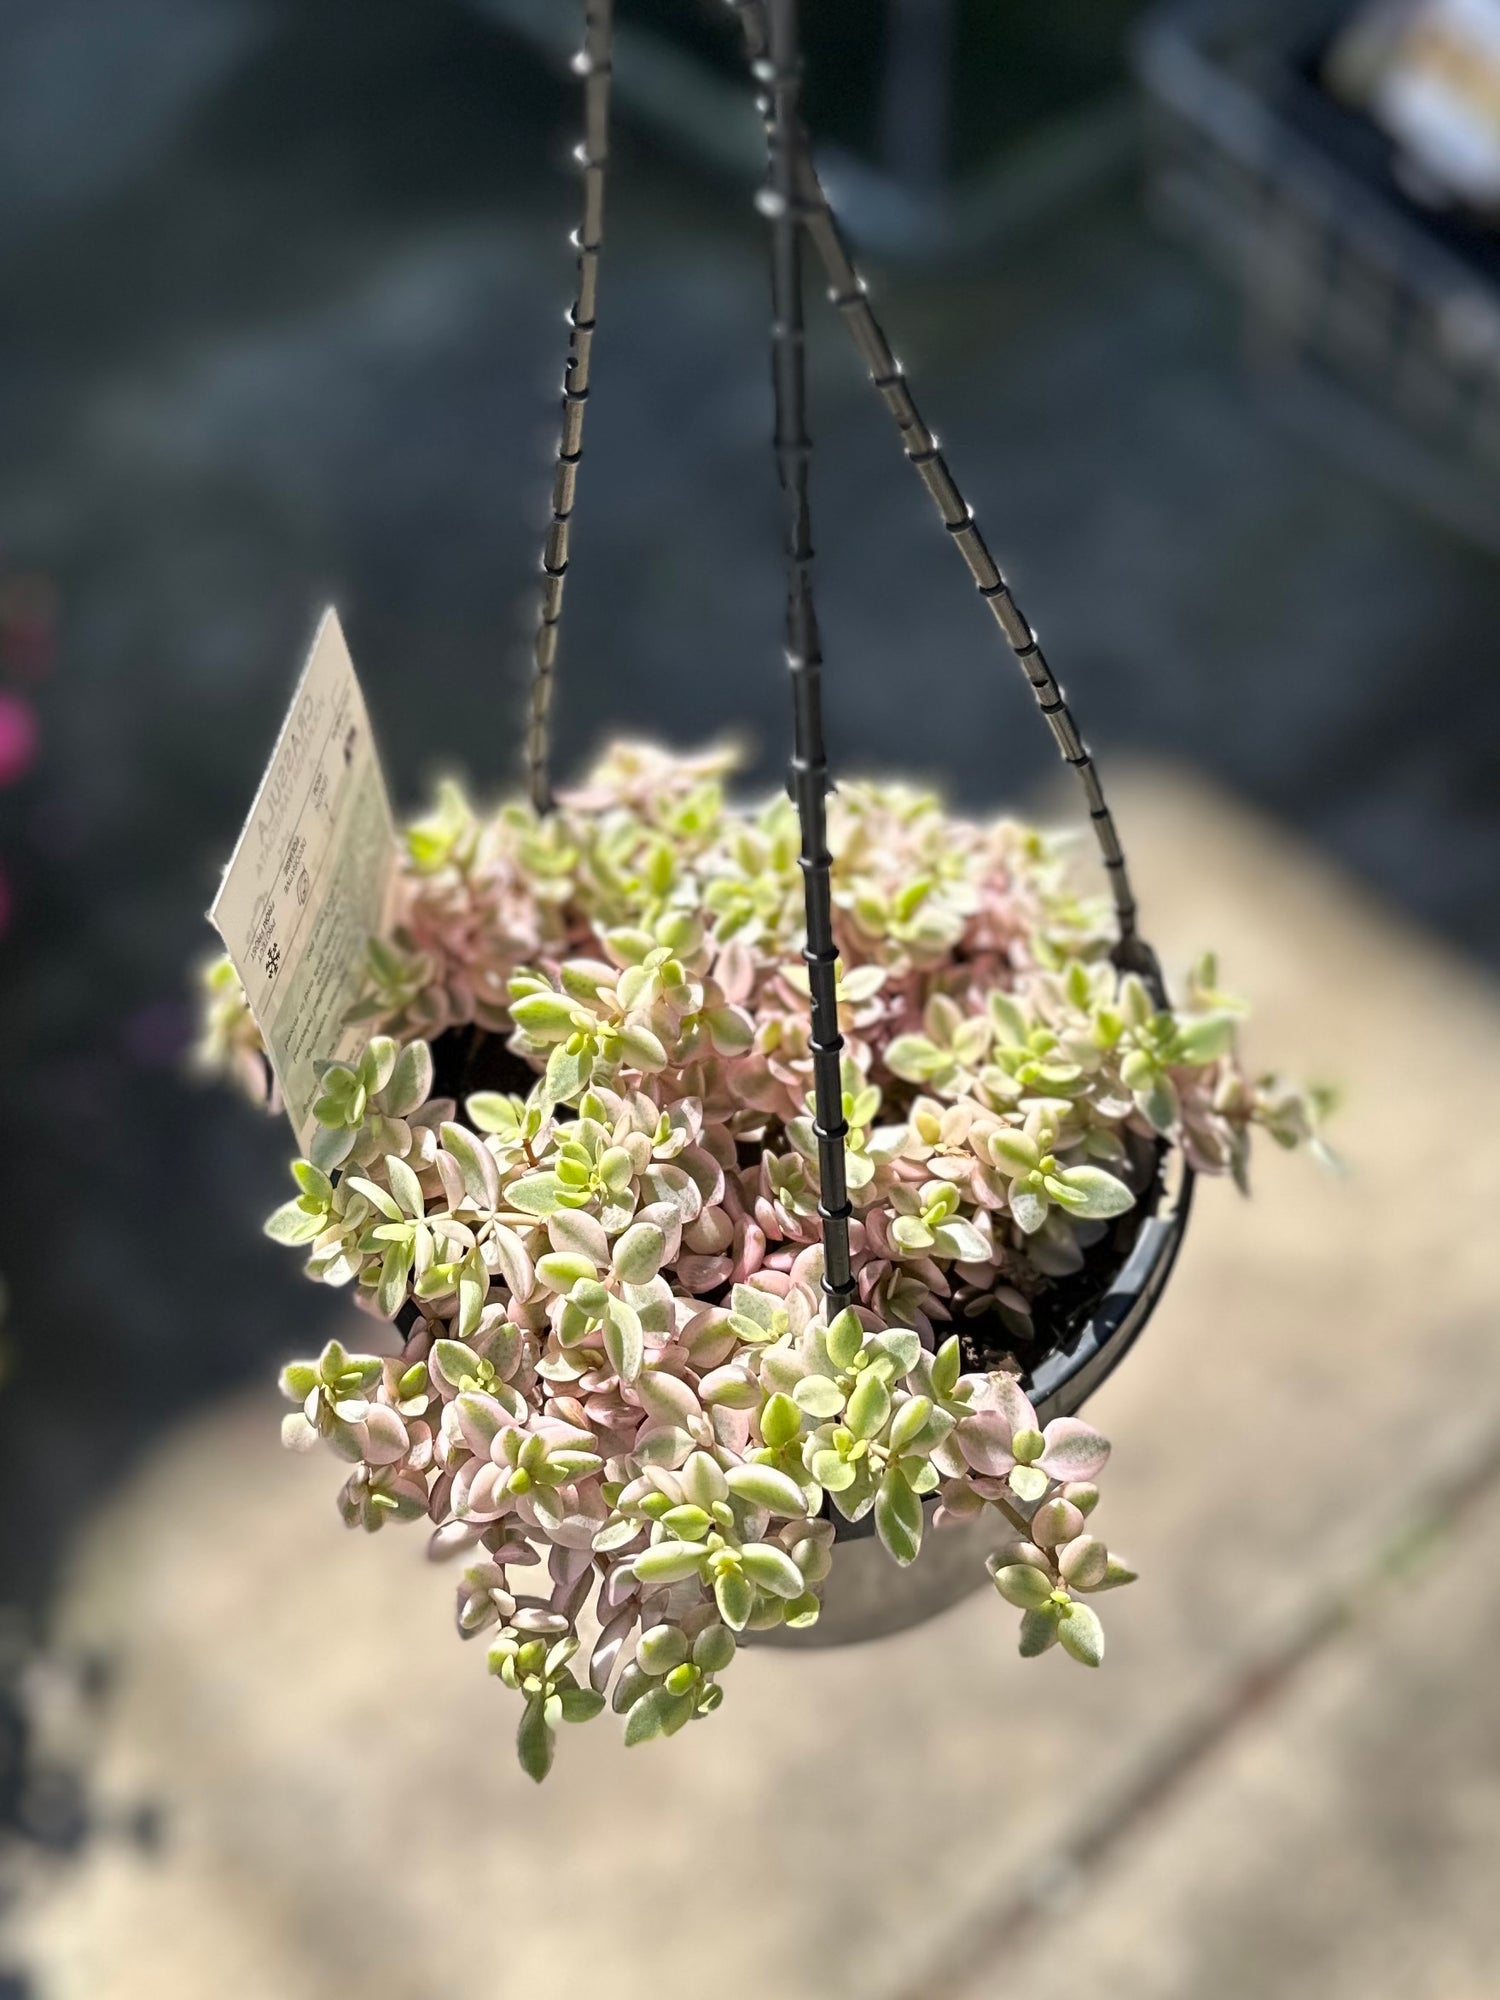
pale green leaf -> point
(946, 1364)
(535, 1741)
(638, 1253)
(1095, 1194)
(735, 1597)
(1029, 1209)
(869, 1406)
(293, 1224)
(1082, 1635)
(844, 1338)
(669, 1562)
(410, 1082)
(713, 1649)
(764, 1486)
(819, 1396)
(1024, 1586)
(453, 1361)
(481, 1174)
(376, 1195)
(661, 1649)
(781, 1420)
(1038, 1631)
(833, 1473)
(316, 1185)
(544, 1016)
(909, 1421)
(1205, 1039)
(535, 1194)
(1027, 1482)
(624, 1342)
(898, 1518)
(772, 1569)
(405, 1187)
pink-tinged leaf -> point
(608, 1647)
(669, 1184)
(984, 1440)
(667, 1398)
(1004, 1393)
(730, 1388)
(664, 1445)
(952, 1464)
(730, 1429)
(572, 1230)
(1083, 1562)
(515, 1265)
(712, 1235)
(562, 1436)
(751, 1251)
(734, 968)
(452, 1179)
(706, 1174)
(730, 1029)
(479, 1492)
(1054, 1523)
(573, 1529)
(959, 1502)
(386, 1441)
(410, 1496)
(571, 1567)
(704, 1274)
(1073, 1449)
(1116, 1573)
(479, 1419)
(348, 1440)
(451, 1539)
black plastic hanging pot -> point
(865, 1595)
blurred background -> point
(1205, 303)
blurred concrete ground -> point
(283, 293)
(1284, 1782)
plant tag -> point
(310, 878)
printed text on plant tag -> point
(310, 878)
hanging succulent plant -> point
(614, 1356)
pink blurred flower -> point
(19, 737)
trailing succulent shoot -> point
(617, 1397)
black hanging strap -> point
(849, 294)
(781, 74)
(592, 63)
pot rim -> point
(1065, 1377)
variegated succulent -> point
(613, 1367)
